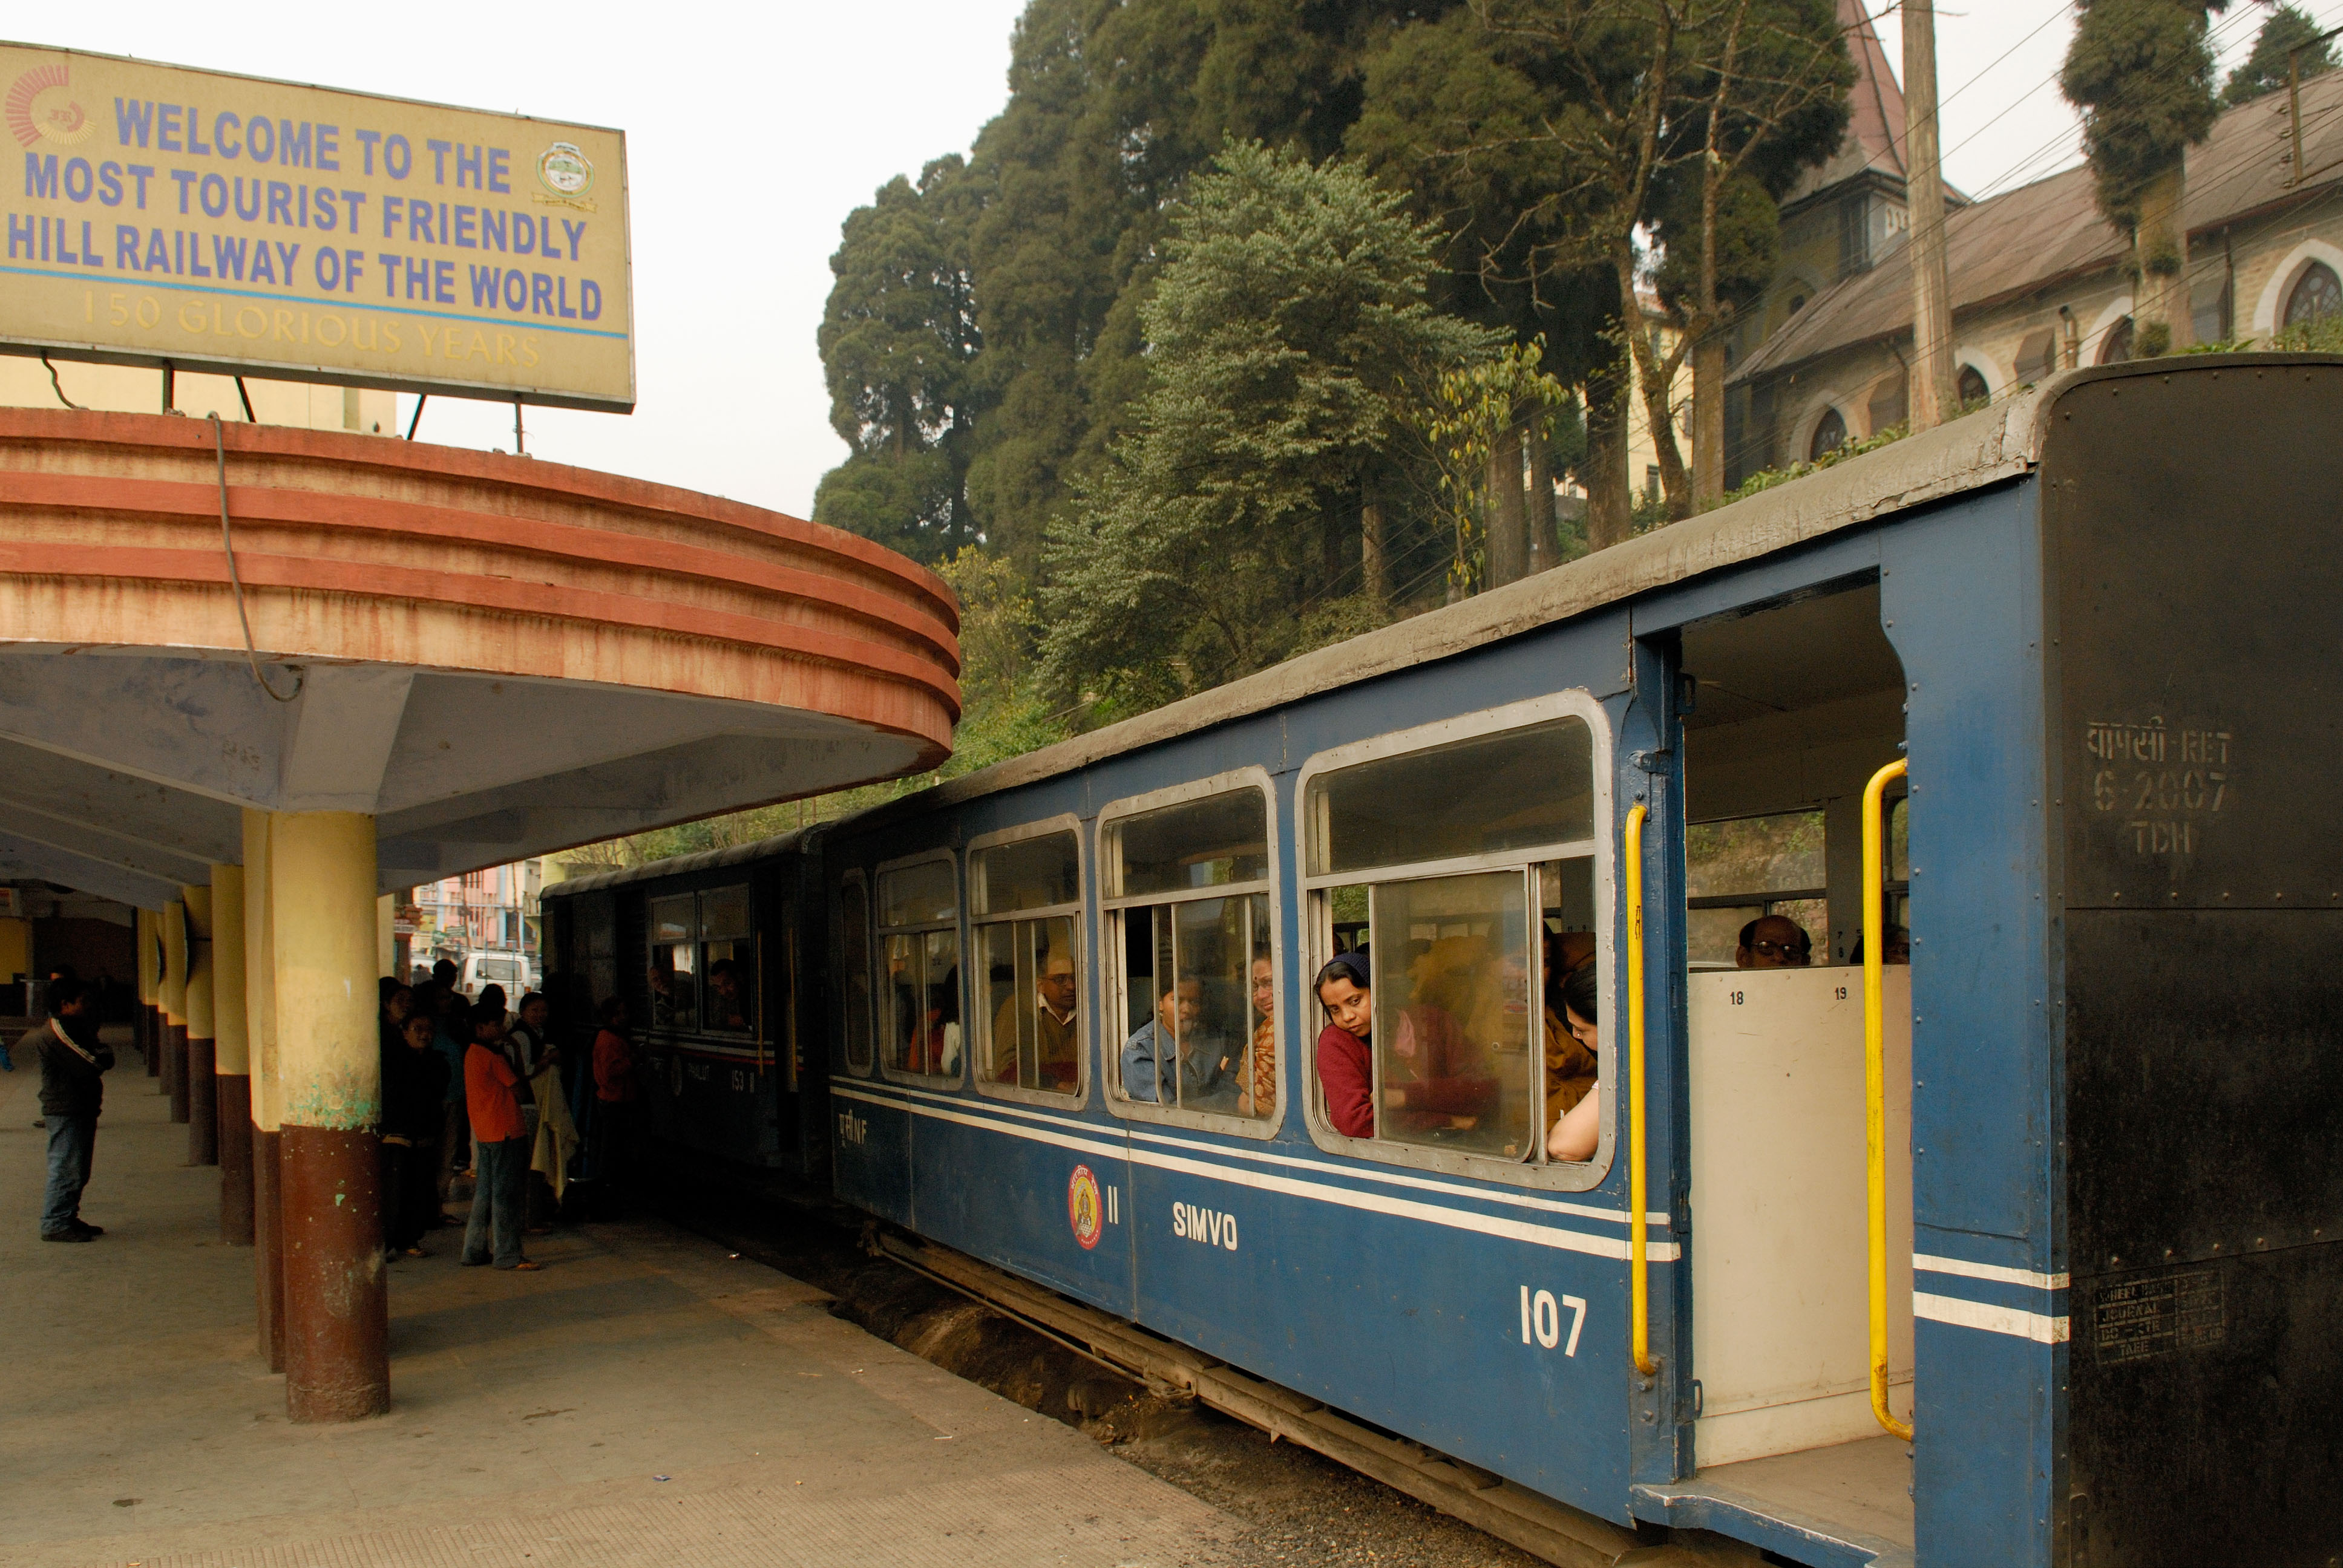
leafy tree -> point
(1448, 120)
(2142, 74)
(1607, 124)
(1476, 412)
(2266, 69)
(899, 341)
(1288, 336)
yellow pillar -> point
(203, 1045)
(233, 1059)
(385, 935)
(174, 1007)
(321, 876)
(260, 1034)
(145, 926)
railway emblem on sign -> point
(39, 109)
(1083, 1209)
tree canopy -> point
(1010, 375)
(2264, 70)
(2142, 74)
(1289, 339)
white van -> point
(508, 970)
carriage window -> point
(919, 934)
(1194, 965)
(1527, 787)
(854, 944)
(1218, 841)
(1736, 871)
(726, 959)
(1029, 1028)
(703, 975)
(1466, 873)
(675, 966)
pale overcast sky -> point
(753, 130)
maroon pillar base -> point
(150, 1034)
(268, 1249)
(336, 1301)
(175, 1071)
(203, 1102)
(236, 1159)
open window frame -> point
(1114, 981)
(1532, 1170)
(977, 1025)
(853, 893)
(881, 994)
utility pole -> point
(1932, 393)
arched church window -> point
(2038, 356)
(2317, 293)
(1830, 435)
(2116, 348)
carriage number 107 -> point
(1542, 1319)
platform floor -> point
(646, 1400)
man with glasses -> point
(1774, 942)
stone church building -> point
(2037, 275)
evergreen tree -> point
(899, 342)
(2142, 74)
(2264, 70)
(1288, 342)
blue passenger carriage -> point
(2014, 1253)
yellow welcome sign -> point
(211, 222)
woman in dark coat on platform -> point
(414, 1088)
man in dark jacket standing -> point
(72, 1090)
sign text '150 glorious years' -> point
(169, 216)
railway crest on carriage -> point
(1084, 1211)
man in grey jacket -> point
(72, 1090)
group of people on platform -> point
(472, 1090)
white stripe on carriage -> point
(1390, 1178)
(1993, 1272)
(2040, 1327)
(1455, 1219)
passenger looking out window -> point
(727, 1005)
(1570, 1062)
(918, 920)
(1047, 1017)
(1171, 1059)
(1257, 1084)
(1345, 1070)
(1460, 866)
(1025, 895)
(1774, 942)
(1189, 937)
(1576, 1133)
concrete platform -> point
(646, 1400)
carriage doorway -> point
(1796, 706)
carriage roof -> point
(1993, 444)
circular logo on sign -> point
(565, 170)
(1083, 1209)
(41, 108)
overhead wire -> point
(235, 580)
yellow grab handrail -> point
(1640, 1282)
(1874, 1083)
